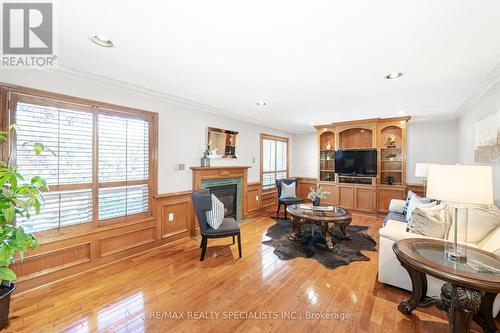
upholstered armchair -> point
(286, 201)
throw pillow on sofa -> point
(481, 221)
(431, 222)
(407, 201)
(416, 201)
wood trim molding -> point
(73, 100)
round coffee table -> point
(327, 219)
(471, 286)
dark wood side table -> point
(327, 219)
(470, 290)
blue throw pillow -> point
(408, 198)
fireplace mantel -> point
(203, 174)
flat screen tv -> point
(356, 162)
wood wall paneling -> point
(304, 186)
(269, 199)
(175, 218)
(180, 206)
(51, 261)
(126, 241)
(254, 197)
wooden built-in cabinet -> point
(364, 194)
(385, 193)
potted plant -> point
(316, 195)
(205, 160)
(18, 197)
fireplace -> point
(222, 176)
(228, 195)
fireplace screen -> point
(227, 194)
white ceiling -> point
(311, 61)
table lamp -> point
(460, 185)
(421, 171)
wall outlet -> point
(170, 217)
(256, 198)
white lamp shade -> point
(468, 184)
(421, 170)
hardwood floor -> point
(138, 295)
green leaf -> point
(50, 151)
(9, 213)
(20, 234)
(27, 143)
(14, 127)
(39, 148)
(7, 274)
(39, 182)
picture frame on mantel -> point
(222, 143)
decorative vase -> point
(205, 162)
(316, 202)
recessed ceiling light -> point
(261, 103)
(393, 76)
(102, 41)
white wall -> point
(488, 103)
(430, 142)
(305, 155)
(427, 142)
(182, 129)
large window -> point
(101, 172)
(274, 160)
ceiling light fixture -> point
(393, 76)
(102, 41)
(261, 103)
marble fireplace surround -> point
(224, 175)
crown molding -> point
(433, 118)
(304, 131)
(163, 97)
(492, 78)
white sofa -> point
(483, 231)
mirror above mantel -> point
(222, 143)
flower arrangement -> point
(316, 195)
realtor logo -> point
(27, 30)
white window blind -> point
(123, 158)
(69, 134)
(274, 161)
(85, 184)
